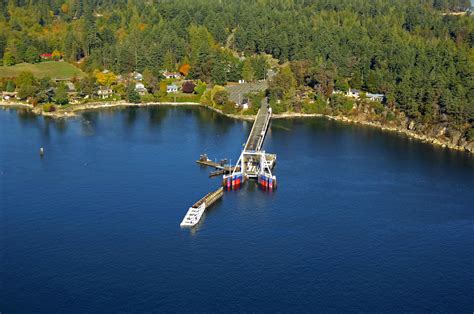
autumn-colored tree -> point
(106, 78)
(65, 8)
(56, 55)
(184, 69)
(188, 87)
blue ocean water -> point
(362, 220)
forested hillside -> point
(415, 53)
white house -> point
(140, 88)
(104, 92)
(137, 76)
(171, 75)
(353, 93)
(376, 97)
(172, 88)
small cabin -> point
(172, 88)
(140, 88)
(137, 76)
(353, 93)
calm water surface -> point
(362, 220)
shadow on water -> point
(60, 125)
(89, 122)
(206, 117)
(156, 115)
(130, 115)
(26, 117)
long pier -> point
(259, 128)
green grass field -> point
(51, 69)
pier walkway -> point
(253, 162)
(259, 128)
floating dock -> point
(195, 212)
(222, 167)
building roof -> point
(375, 95)
(171, 73)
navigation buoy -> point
(41, 151)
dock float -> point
(195, 212)
(222, 167)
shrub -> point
(49, 108)
(188, 87)
(341, 103)
(221, 97)
(278, 106)
(390, 116)
(132, 94)
(378, 107)
(470, 134)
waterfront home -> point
(9, 95)
(356, 94)
(376, 97)
(140, 88)
(172, 75)
(172, 88)
(104, 92)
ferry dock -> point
(253, 163)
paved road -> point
(243, 89)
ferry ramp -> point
(259, 128)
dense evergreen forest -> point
(413, 51)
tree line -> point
(419, 57)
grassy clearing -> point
(51, 69)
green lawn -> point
(51, 69)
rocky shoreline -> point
(444, 142)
